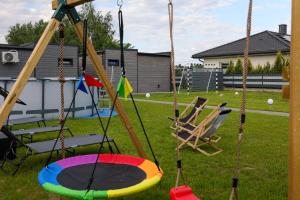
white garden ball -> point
(236, 93)
(147, 95)
(221, 95)
(270, 101)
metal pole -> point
(182, 73)
(294, 129)
(43, 98)
(207, 88)
(188, 79)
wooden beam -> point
(294, 129)
(71, 3)
(27, 70)
(109, 88)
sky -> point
(198, 24)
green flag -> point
(124, 87)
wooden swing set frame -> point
(67, 8)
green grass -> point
(264, 158)
(255, 100)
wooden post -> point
(109, 87)
(27, 70)
(294, 131)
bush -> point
(259, 69)
(250, 66)
(267, 68)
(230, 69)
(279, 63)
(238, 67)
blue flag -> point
(80, 85)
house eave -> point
(239, 54)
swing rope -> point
(121, 30)
(62, 81)
(63, 122)
(175, 103)
(105, 129)
(235, 179)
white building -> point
(263, 49)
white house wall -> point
(255, 60)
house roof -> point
(266, 42)
(15, 47)
(27, 46)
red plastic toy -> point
(182, 193)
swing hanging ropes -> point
(63, 122)
(121, 30)
(175, 103)
(235, 179)
(84, 64)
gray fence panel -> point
(270, 81)
(201, 80)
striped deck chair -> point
(196, 136)
(191, 112)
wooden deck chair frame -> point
(193, 117)
(199, 131)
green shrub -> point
(238, 69)
(279, 63)
(267, 68)
(230, 69)
(250, 66)
(259, 69)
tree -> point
(25, 33)
(279, 63)
(238, 66)
(230, 68)
(197, 66)
(100, 29)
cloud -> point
(15, 11)
(146, 22)
(197, 23)
(195, 26)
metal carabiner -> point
(120, 3)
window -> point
(224, 65)
(112, 62)
(67, 62)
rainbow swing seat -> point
(116, 175)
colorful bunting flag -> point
(80, 85)
(91, 81)
(124, 87)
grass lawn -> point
(264, 157)
(256, 100)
